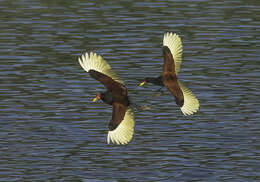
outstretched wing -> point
(121, 126)
(92, 61)
(115, 87)
(191, 103)
(168, 64)
(173, 42)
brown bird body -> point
(116, 95)
(121, 125)
(170, 80)
(172, 55)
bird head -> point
(98, 97)
(141, 84)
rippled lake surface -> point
(50, 130)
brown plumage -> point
(121, 125)
(172, 55)
(170, 77)
(118, 92)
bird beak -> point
(141, 84)
(96, 98)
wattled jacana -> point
(172, 54)
(121, 126)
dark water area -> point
(50, 130)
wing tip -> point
(187, 112)
(174, 43)
(123, 134)
(93, 61)
(191, 103)
(86, 60)
(171, 35)
(190, 107)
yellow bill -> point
(95, 99)
(141, 84)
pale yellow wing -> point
(173, 42)
(92, 61)
(191, 103)
(124, 131)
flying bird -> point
(172, 54)
(121, 125)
